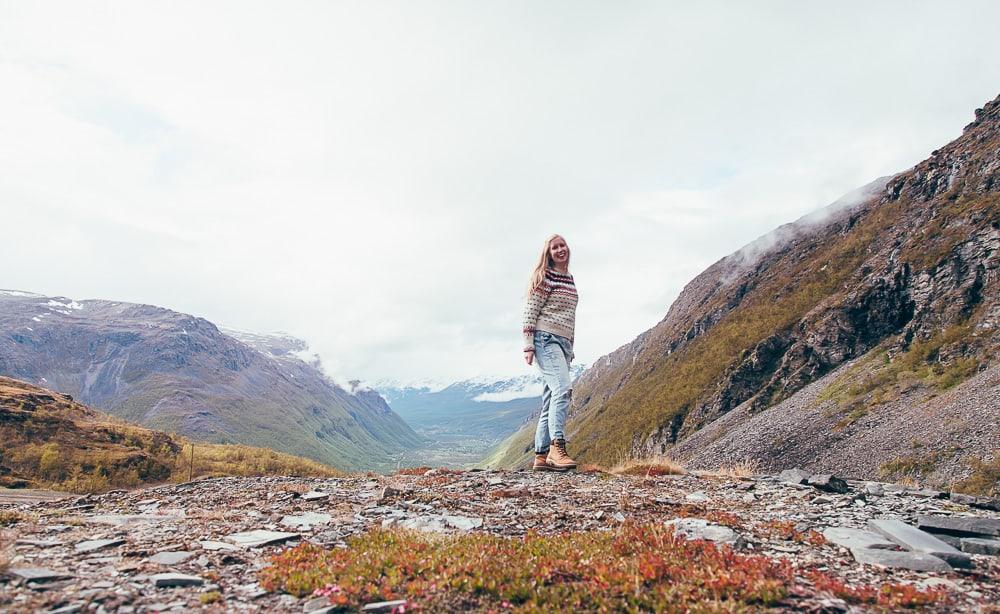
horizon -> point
(377, 179)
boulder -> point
(915, 561)
(916, 540)
(794, 476)
(828, 483)
(960, 525)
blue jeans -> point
(552, 355)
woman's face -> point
(559, 251)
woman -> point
(549, 319)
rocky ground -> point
(200, 545)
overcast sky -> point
(378, 177)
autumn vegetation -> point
(632, 568)
(50, 441)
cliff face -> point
(905, 264)
(178, 373)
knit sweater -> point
(551, 307)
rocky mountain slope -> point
(892, 294)
(181, 374)
(705, 543)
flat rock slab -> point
(121, 520)
(916, 561)
(306, 519)
(260, 537)
(37, 574)
(92, 545)
(214, 545)
(916, 540)
(170, 558)
(383, 606)
(960, 525)
(38, 543)
(979, 545)
(164, 580)
(315, 495)
(857, 538)
(794, 476)
(699, 528)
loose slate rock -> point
(315, 495)
(259, 537)
(960, 525)
(978, 545)
(856, 538)
(829, 483)
(914, 539)
(37, 574)
(92, 545)
(916, 561)
(164, 580)
(170, 558)
(794, 476)
(214, 545)
(306, 519)
(383, 606)
(699, 528)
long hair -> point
(545, 262)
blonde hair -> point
(545, 262)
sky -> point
(378, 178)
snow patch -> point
(19, 293)
(525, 391)
(36, 319)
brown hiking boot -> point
(540, 464)
(558, 459)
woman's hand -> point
(529, 356)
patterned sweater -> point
(551, 307)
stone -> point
(121, 520)
(960, 525)
(821, 500)
(314, 605)
(170, 557)
(92, 545)
(436, 523)
(259, 537)
(37, 574)
(306, 519)
(874, 488)
(315, 495)
(696, 497)
(38, 543)
(928, 493)
(388, 493)
(857, 538)
(979, 545)
(829, 483)
(214, 545)
(916, 540)
(794, 476)
(701, 529)
(916, 561)
(494, 481)
(164, 580)
(383, 606)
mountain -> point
(861, 338)
(179, 373)
(465, 419)
(51, 440)
(490, 408)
